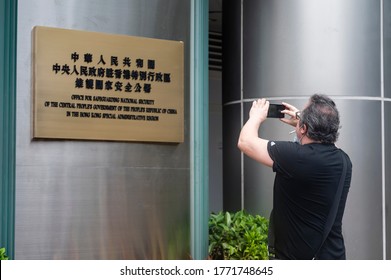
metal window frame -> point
(8, 26)
(199, 135)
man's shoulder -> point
(282, 146)
(281, 150)
(273, 143)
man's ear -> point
(303, 129)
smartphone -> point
(275, 111)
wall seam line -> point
(384, 223)
(364, 98)
(241, 107)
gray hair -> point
(321, 118)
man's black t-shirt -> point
(307, 178)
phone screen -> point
(275, 111)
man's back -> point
(307, 178)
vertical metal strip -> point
(383, 130)
(199, 117)
(8, 17)
(241, 106)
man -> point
(307, 178)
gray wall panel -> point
(232, 194)
(361, 138)
(231, 51)
(102, 213)
(215, 143)
(300, 47)
(95, 199)
(387, 140)
(387, 118)
(387, 47)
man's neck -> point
(306, 140)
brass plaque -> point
(97, 86)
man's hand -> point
(290, 111)
(259, 110)
(249, 142)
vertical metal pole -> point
(382, 89)
(8, 20)
(199, 117)
(241, 106)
